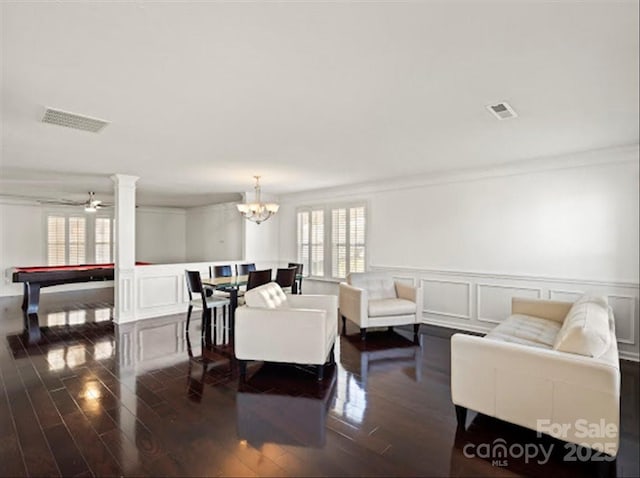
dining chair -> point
(299, 268)
(220, 271)
(258, 278)
(286, 278)
(207, 303)
(244, 269)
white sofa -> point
(374, 299)
(275, 327)
(551, 366)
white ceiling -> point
(202, 96)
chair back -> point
(244, 269)
(220, 271)
(258, 278)
(379, 285)
(194, 285)
(299, 267)
(286, 277)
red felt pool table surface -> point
(77, 267)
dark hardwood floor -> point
(147, 399)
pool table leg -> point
(32, 328)
(31, 299)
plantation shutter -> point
(77, 240)
(56, 240)
(103, 240)
(357, 239)
(317, 243)
(339, 242)
(303, 239)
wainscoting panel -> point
(162, 290)
(477, 301)
(405, 280)
(564, 295)
(624, 310)
(447, 298)
(493, 301)
(158, 291)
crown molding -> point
(214, 207)
(162, 210)
(597, 157)
(13, 201)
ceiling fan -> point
(90, 205)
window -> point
(339, 242)
(56, 240)
(335, 250)
(317, 243)
(77, 237)
(303, 240)
(66, 240)
(311, 241)
(357, 239)
(73, 239)
(103, 240)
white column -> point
(125, 247)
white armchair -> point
(374, 299)
(275, 327)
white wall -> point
(214, 233)
(578, 223)
(21, 241)
(262, 241)
(161, 236)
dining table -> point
(232, 285)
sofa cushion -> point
(526, 330)
(267, 296)
(386, 307)
(379, 285)
(586, 329)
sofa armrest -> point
(531, 386)
(281, 335)
(545, 309)
(353, 303)
(414, 294)
(328, 303)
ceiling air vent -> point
(502, 111)
(73, 120)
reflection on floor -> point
(148, 398)
(285, 405)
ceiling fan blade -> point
(60, 202)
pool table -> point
(36, 277)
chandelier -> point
(257, 211)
